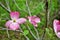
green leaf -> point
(26, 32)
(47, 30)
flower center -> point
(14, 20)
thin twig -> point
(42, 37)
(48, 16)
(10, 29)
(7, 3)
(28, 26)
(4, 7)
(37, 33)
(28, 8)
(18, 6)
(38, 5)
(8, 33)
(23, 34)
(31, 32)
(30, 15)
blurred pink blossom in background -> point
(34, 20)
(56, 26)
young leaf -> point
(26, 32)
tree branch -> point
(8, 33)
(10, 29)
(31, 32)
(28, 8)
(4, 7)
(24, 35)
(18, 6)
(37, 33)
(7, 3)
(34, 27)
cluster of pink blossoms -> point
(14, 24)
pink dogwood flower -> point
(14, 23)
(34, 20)
(56, 26)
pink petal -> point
(14, 15)
(34, 23)
(58, 34)
(21, 20)
(14, 26)
(30, 18)
(56, 27)
(37, 20)
(34, 20)
(8, 23)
